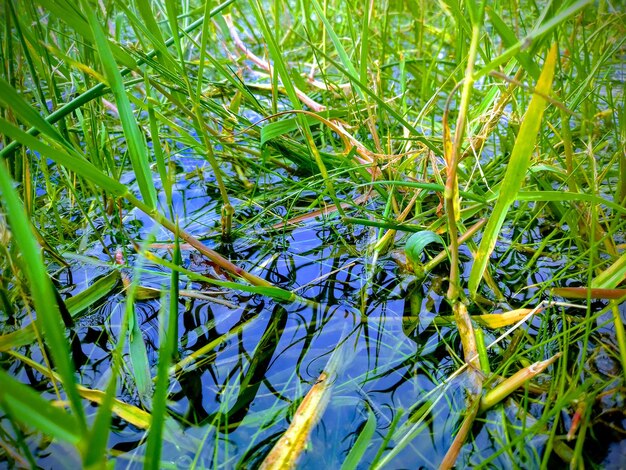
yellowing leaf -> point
(286, 451)
(500, 320)
(501, 391)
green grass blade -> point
(548, 196)
(101, 428)
(612, 276)
(166, 180)
(28, 407)
(95, 455)
(100, 89)
(48, 313)
(360, 446)
(167, 346)
(536, 34)
(509, 40)
(153, 32)
(343, 55)
(365, 41)
(69, 14)
(95, 292)
(137, 148)
(516, 169)
(417, 135)
(281, 68)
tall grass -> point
(496, 130)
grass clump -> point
(205, 214)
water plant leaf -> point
(360, 446)
(24, 404)
(41, 289)
(139, 357)
(75, 305)
(137, 348)
(137, 148)
(586, 292)
(15, 339)
(516, 169)
(500, 320)
(415, 247)
(613, 276)
(287, 450)
(130, 413)
(504, 389)
(284, 126)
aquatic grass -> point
(168, 345)
(292, 270)
(43, 294)
(516, 170)
(26, 405)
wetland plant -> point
(316, 234)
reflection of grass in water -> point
(322, 209)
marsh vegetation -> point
(323, 234)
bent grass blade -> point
(516, 169)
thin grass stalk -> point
(168, 339)
(452, 152)
(449, 460)
(227, 208)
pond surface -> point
(373, 328)
(384, 338)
